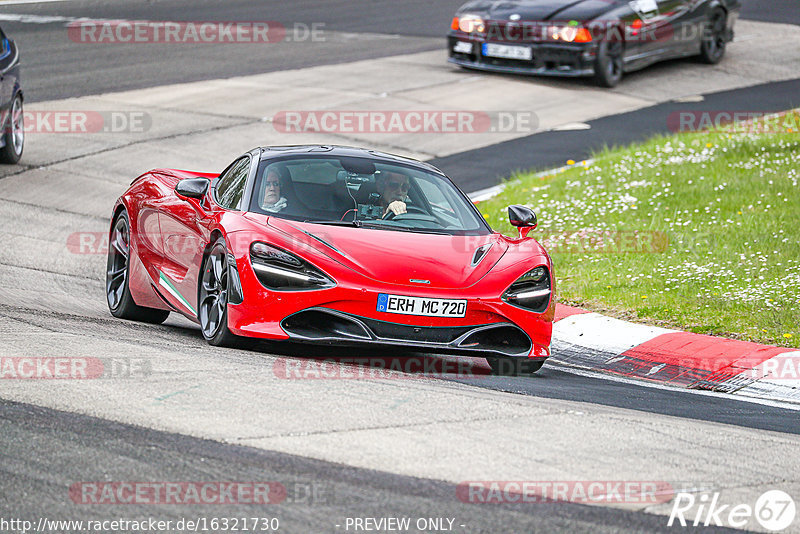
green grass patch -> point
(706, 228)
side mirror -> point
(193, 187)
(523, 218)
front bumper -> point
(331, 327)
(347, 315)
(549, 59)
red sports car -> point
(331, 245)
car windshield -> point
(358, 192)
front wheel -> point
(608, 67)
(514, 366)
(712, 49)
(14, 134)
(118, 294)
(213, 297)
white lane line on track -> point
(485, 194)
(37, 19)
(613, 378)
(572, 127)
(690, 99)
(22, 2)
(25, 18)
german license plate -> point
(462, 47)
(427, 307)
(507, 51)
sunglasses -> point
(402, 186)
(273, 184)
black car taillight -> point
(531, 291)
(279, 270)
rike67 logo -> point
(774, 510)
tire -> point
(514, 366)
(608, 67)
(118, 294)
(14, 133)
(212, 302)
(712, 48)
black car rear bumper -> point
(548, 59)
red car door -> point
(184, 235)
(185, 230)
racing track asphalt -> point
(485, 167)
(475, 169)
(558, 382)
(46, 451)
(55, 68)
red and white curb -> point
(599, 343)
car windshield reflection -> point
(362, 193)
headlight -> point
(283, 271)
(571, 33)
(469, 24)
(531, 290)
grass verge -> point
(696, 231)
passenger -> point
(273, 201)
(393, 188)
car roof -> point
(269, 152)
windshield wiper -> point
(355, 223)
(362, 224)
(380, 226)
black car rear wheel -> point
(712, 49)
(118, 295)
(213, 297)
(14, 133)
(608, 67)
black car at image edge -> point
(599, 38)
(12, 140)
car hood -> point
(431, 260)
(536, 10)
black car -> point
(12, 141)
(599, 38)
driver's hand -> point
(398, 207)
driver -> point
(393, 188)
(273, 201)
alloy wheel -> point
(17, 126)
(214, 292)
(117, 267)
